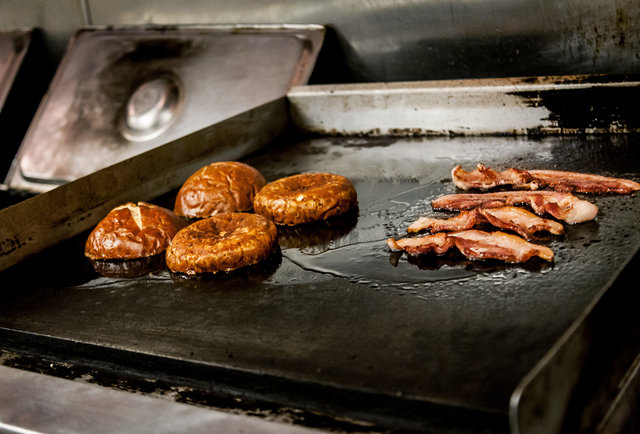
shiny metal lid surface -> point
(13, 47)
(121, 92)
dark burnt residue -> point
(9, 245)
(594, 109)
(145, 60)
(611, 155)
(360, 142)
(150, 50)
(378, 132)
(623, 22)
(130, 268)
(212, 390)
(580, 79)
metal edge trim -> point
(555, 352)
(14, 169)
(451, 107)
(15, 64)
(532, 82)
(249, 27)
(74, 406)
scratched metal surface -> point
(146, 86)
(335, 307)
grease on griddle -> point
(250, 273)
(130, 268)
(455, 259)
(319, 234)
(367, 262)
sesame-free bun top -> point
(133, 231)
(305, 198)
(219, 188)
(224, 242)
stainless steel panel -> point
(387, 40)
(32, 403)
(24, 77)
(547, 105)
(57, 19)
(13, 48)
(588, 381)
(121, 92)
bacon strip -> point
(486, 178)
(508, 217)
(498, 245)
(464, 220)
(520, 220)
(563, 206)
(474, 244)
(438, 243)
(583, 183)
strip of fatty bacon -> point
(474, 244)
(485, 178)
(516, 219)
(563, 206)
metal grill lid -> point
(121, 92)
(13, 47)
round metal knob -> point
(150, 108)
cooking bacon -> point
(583, 183)
(520, 220)
(498, 245)
(508, 217)
(438, 243)
(474, 244)
(463, 221)
(486, 178)
(563, 206)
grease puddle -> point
(371, 262)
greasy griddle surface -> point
(334, 306)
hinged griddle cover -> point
(13, 47)
(21, 88)
(121, 92)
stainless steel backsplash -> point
(390, 40)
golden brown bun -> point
(133, 231)
(223, 242)
(305, 198)
(219, 188)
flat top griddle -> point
(335, 307)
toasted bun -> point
(305, 198)
(223, 242)
(133, 231)
(219, 188)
